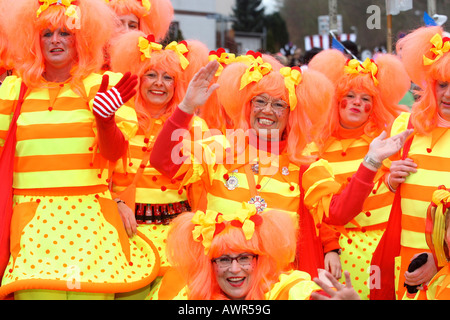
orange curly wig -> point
(412, 48)
(393, 83)
(274, 242)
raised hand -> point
(200, 88)
(341, 292)
(381, 147)
(107, 102)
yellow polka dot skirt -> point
(357, 252)
(75, 243)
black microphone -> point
(419, 261)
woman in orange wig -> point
(365, 104)
(147, 200)
(261, 162)
(245, 255)
(66, 238)
(423, 164)
(149, 16)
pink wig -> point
(412, 48)
(274, 242)
(23, 27)
(126, 56)
(156, 21)
(393, 83)
(306, 121)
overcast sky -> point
(269, 4)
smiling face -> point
(354, 109)
(157, 89)
(58, 50)
(235, 279)
(442, 89)
(269, 121)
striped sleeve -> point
(126, 118)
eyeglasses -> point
(244, 260)
(261, 103)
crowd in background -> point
(132, 169)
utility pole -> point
(332, 13)
(431, 7)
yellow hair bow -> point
(255, 72)
(368, 66)
(224, 58)
(210, 223)
(292, 78)
(440, 46)
(71, 10)
(147, 46)
(205, 227)
(441, 202)
(181, 49)
(146, 4)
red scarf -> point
(6, 180)
(309, 256)
(383, 260)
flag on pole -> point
(335, 44)
(429, 21)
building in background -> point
(210, 21)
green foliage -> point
(249, 15)
(277, 34)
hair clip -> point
(71, 10)
(369, 66)
(210, 223)
(182, 50)
(147, 46)
(224, 58)
(292, 78)
(440, 46)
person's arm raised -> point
(198, 92)
(200, 88)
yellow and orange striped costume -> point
(152, 187)
(67, 234)
(344, 152)
(432, 156)
(278, 184)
